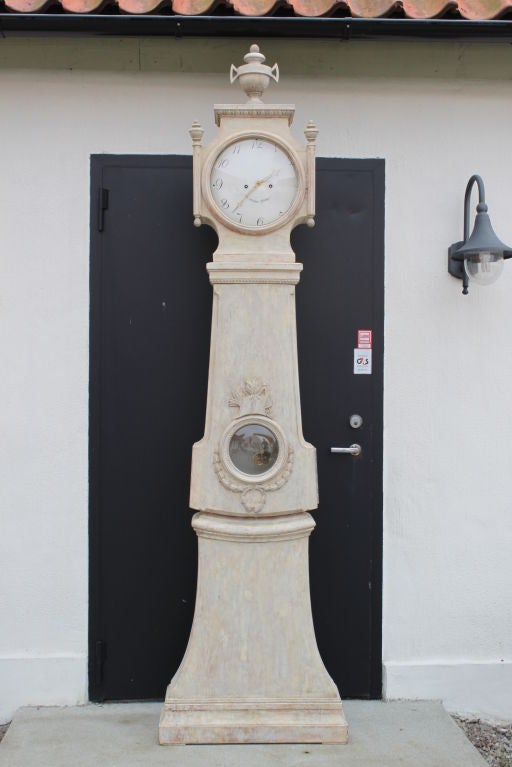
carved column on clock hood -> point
(252, 672)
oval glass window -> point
(253, 448)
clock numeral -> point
(218, 183)
(239, 217)
(257, 145)
(223, 163)
(224, 203)
(259, 222)
(236, 149)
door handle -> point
(354, 449)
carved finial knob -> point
(254, 55)
(254, 76)
(311, 132)
(196, 133)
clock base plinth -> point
(248, 720)
(252, 672)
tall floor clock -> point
(252, 672)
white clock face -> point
(254, 182)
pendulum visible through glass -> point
(253, 449)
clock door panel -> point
(150, 328)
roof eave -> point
(341, 28)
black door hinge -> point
(100, 653)
(102, 207)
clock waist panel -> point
(218, 492)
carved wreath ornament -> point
(254, 404)
(253, 496)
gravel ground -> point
(493, 741)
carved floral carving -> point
(253, 499)
(252, 398)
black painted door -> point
(150, 326)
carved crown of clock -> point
(254, 181)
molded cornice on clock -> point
(254, 110)
(260, 273)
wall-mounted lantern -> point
(478, 257)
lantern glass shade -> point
(478, 258)
(484, 267)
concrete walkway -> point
(401, 734)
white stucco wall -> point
(437, 113)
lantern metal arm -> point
(482, 240)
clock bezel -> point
(294, 159)
(283, 454)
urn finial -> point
(254, 76)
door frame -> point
(97, 206)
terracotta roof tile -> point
(192, 7)
(366, 9)
(138, 6)
(80, 6)
(253, 7)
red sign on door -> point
(364, 339)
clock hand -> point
(246, 195)
(254, 187)
(262, 181)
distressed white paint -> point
(252, 672)
(437, 113)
